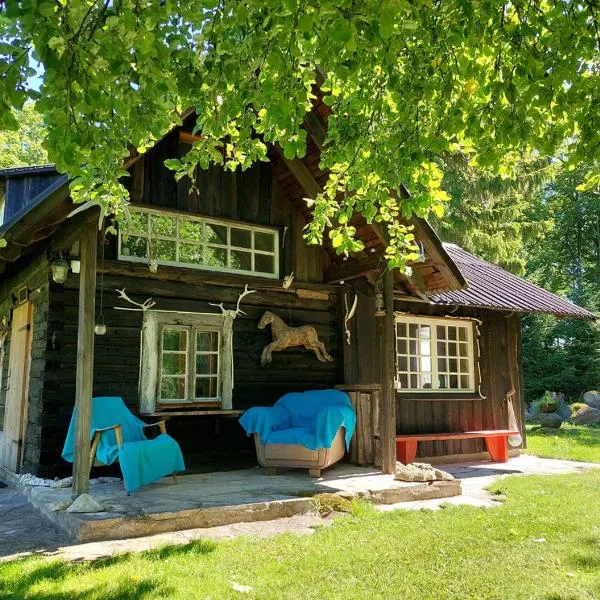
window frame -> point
(228, 247)
(150, 379)
(191, 353)
(433, 322)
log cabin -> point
(142, 315)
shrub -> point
(550, 399)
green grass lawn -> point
(570, 442)
(543, 542)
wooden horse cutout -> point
(285, 336)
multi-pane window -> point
(182, 240)
(434, 354)
(189, 365)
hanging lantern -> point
(60, 269)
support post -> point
(85, 358)
(388, 395)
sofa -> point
(308, 430)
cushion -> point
(297, 435)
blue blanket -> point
(310, 419)
(142, 461)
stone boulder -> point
(586, 416)
(85, 504)
(550, 420)
(420, 472)
(592, 399)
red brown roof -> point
(490, 286)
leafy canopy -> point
(23, 147)
(406, 81)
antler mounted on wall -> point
(143, 306)
(238, 310)
(349, 314)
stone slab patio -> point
(216, 499)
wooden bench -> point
(495, 440)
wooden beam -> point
(71, 232)
(353, 268)
(85, 359)
(185, 137)
(315, 129)
(302, 174)
(387, 339)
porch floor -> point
(221, 498)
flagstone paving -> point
(23, 529)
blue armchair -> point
(117, 434)
(307, 430)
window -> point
(434, 354)
(197, 242)
(186, 360)
(189, 365)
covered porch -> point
(222, 498)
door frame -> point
(22, 380)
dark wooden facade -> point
(253, 196)
(268, 194)
(498, 355)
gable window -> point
(434, 354)
(186, 360)
(198, 242)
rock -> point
(85, 504)
(60, 505)
(420, 472)
(586, 416)
(592, 399)
(550, 420)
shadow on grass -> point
(56, 573)
(59, 574)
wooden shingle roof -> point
(490, 286)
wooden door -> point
(17, 388)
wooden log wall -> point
(500, 334)
(117, 353)
(251, 196)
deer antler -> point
(238, 310)
(220, 305)
(144, 306)
(349, 315)
(244, 293)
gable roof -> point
(490, 286)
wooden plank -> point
(388, 400)
(196, 413)
(353, 269)
(85, 359)
(19, 361)
(302, 174)
(316, 129)
(462, 435)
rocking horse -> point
(285, 336)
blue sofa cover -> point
(310, 419)
(142, 461)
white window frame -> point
(253, 229)
(155, 322)
(433, 322)
(191, 353)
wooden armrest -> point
(162, 425)
(108, 428)
(96, 440)
(118, 433)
